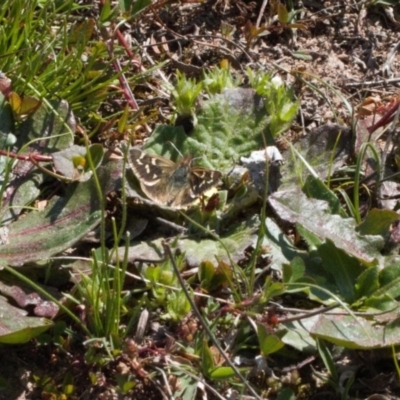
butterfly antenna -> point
(169, 142)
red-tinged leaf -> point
(26, 297)
(40, 235)
(16, 327)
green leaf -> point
(283, 14)
(293, 271)
(216, 276)
(73, 162)
(105, 13)
(383, 302)
(327, 359)
(389, 281)
(325, 149)
(356, 333)
(298, 334)
(378, 222)
(230, 248)
(222, 373)
(367, 283)
(269, 343)
(272, 289)
(139, 6)
(207, 362)
(281, 249)
(178, 305)
(229, 126)
(315, 188)
(81, 32)
(343, 268)
(49, 129)
(293, 206)
(206, 272)
(286, 393)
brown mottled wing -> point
(166, 183)
(202, 179)
(159, 178)
(149, 168)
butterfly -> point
(23, 105)
(176, 185)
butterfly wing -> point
(199, 180)
(149, 168)
(174, 185)
(202, 179)
(161, 180)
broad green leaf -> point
(41, 234)
(48, 130)
(229, 126)
(298, 334)
(280, 248)
(293, 206)
(378, 222)
(367, 282)
(383, 302)
(356, 333)
(81, 32)
(315, 188)
(343, 268)
(269, 343)
(293, 271)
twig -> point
(299, 365)
(260, 14)
(373, 83)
